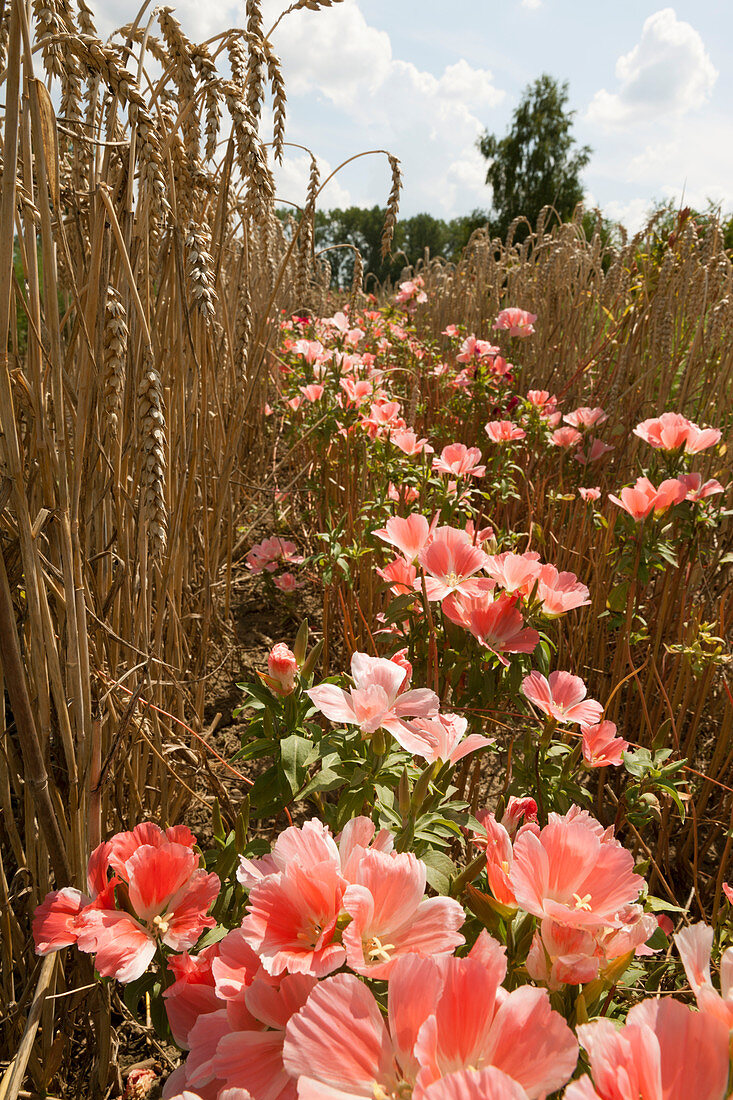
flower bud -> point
(282, 666)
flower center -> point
(311, 934)
(160, 924)
(582, 903)
(453, 580)
(376, 951)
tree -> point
(539, 162)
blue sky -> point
(652, 87)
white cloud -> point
(667, 73)
(292, 183)
(431, 122)
(531, 5)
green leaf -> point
(440, 870)
(295, 754)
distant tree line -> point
(537, 164)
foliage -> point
(538, 163)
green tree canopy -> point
(539, 162)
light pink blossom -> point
(664, 1051)
(574, 872)
(562, 697)
(459, 460)
(516, 322)
(391, 917)
(375, 701)
(504, 431)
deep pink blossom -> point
(450, 561)
(601, 746)
(496, 624)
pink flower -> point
(400, 659)
(515, 572)
(445, 1017)
(694, 944)
(312, 351)
(287, 582)
(409, 535)
(664, 1050)
(338, 1044)
(517, 322)
(601, 746)
(566, 437)
(282, 666)
(574, 872)
(516, 809)
(409, 444)
(450, 560)
(441, 738)
(411, 291)
(291, 919)
(596, 451)
(193, 993)
(407, 494)
(560, 592)
(643, 499)
(696, 490)
(400, 576)
(384, 416)
(170, 898)
(250, 1058)
(561, 954)
(450, 330)
(54, 920)
(375, 701)
(313, 392)
(670, 431)
(309, 846)
(356, 391)
(562, 697)
(496, 624)
(542, 400)
(585, 417)
(459, 460)
(497, 843)
(484, 534)
(639, 500)
(391, 917)
(699, 439)
(476, 1024)
(589, 493)
(503, 431)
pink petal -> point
(339, 1039)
